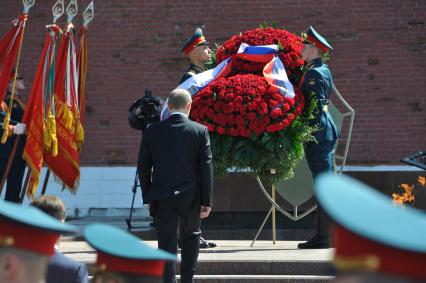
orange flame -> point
(408, 194)
(422, 181)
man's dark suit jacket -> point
(175, 156)
(65, 270)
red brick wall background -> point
(378, 63)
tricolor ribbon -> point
(274, 72)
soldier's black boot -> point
(316, 242)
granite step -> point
(238, 258)
(262, 278)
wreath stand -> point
(339, 161)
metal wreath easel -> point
(272, 198)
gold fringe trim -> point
(357, 263)
(6, 241)
(50, 138)
(6, 122)
(35, 175)
(79, 135)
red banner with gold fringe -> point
(36, 114)
(66, 165)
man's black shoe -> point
(317, 242)
(205, 245)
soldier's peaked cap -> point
(313, 37)
(195, 40)
(30, 229)
(371, 233)
(119, 251)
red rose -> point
(251, 116)
(273, 103)
(286, 107)
(276, 113)
(210, 127)
(220, 130)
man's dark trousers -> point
(184, 206)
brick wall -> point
(378, 63)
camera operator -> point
(145, 111)
(142, 113)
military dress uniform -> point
(375, 240)
(193, 70)
(195, 40)
(16, 172)
(317, 83)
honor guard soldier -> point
(375, 240)
(317, 83)
(124, 258)
(27, 240)
(196, 48)
(16, 172)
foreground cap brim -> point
(33, 217)
(116, 242)
(371, 214)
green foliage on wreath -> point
(280, 151)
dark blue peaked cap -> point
(313, 37)
(195, 40)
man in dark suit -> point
(61, 268)
(16, 172)
(176, 174)
(317, 84)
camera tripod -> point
(135, 186)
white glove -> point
(19, 129)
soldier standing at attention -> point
(317, 83)
(196, 48)
(16, 172)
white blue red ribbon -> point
(274, 72)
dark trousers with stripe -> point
(14, 178)
(320, 157)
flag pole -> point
(27, 6)
(58, 10)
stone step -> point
(261, 278)
(264, 267)
(238, 258)
(141, 227)
(256, 278)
